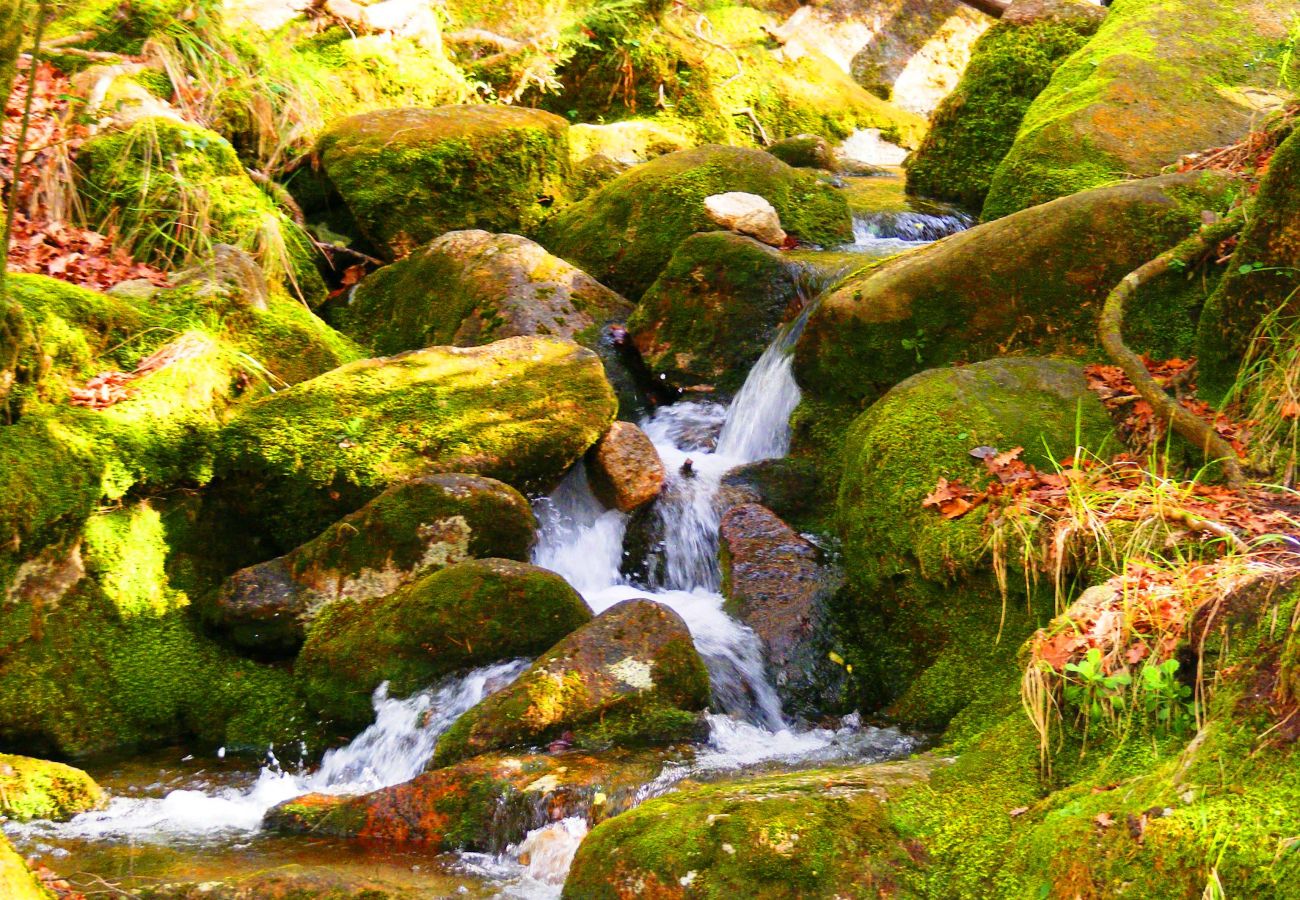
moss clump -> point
(37, 789)
(976, 124)
(123, 27)
(713, 310)
(1034, 282)
(1158, 80)
(920, 614)
(171, 191)
(472, 613)
(409, 175)
(16, 880)
(625, 233)
(521, 410)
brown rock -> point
(624, 468)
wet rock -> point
(806, 151)
(469, 614)
(632, 676)
(624, 468)
(1158, 80)
(794, 489)
(521, 410)
(713, 310)
(593, 173)
(407, 531)
(747, 214)
(1032, 281)
(480, 804)
(468, 288)
(37, 789)
(775, 583)
(409, 175)
(626, 232)
(291, 882)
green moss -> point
(625, 233)
(472, 613)
(975, 126)
(409, 175)
(16, 880)
(37, 789)
(123, 27)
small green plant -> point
(916, 344)
(1095, 694)
(1165, 697)
(352, 430)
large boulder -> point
(624, 468)
(1160, 79)
(976, 124)
(409, 175)
(37, 789)
(917, 582)
(631, 676)
(470, 287)
(1032, 281)
(465, 806)
(407, 531)
(521, 410)
(627, 143)
(626, 232)
(713, 310)
(469, 614)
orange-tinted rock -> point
(624, 468)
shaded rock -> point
(469, 614)
(628, 142)
(775, 583)
(410, 529)
(624, 468)
(521, 410)
(805, 151)
(807, 834)
(713, 310)
(747, 214)
(37, 789)
(626, 232)
(975, 126)
(1159, 80)
(468, 288)
(922, 612)
(409, 175)
(1033, 281)
(593, 173)
(17, 881)
(793, 488)
(631, 676)
(480, 804)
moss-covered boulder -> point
(38, 789)
(520, 410)
(170, 191)
(480, 804)
(921, 612)
(407, 531)
(16, 880)
(1161, 78)
(630, 677)
(628, 142)
(805, 151)
(713, 310)
(815, 834)
(470, 287)
(1032, 281)
(468, 614)
(409, 175)
(976, 124)
(626, 232)
(1261, 278)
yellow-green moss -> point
(17, 881)
(37, 789)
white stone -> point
(746, 214)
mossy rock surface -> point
(410, 175)
(713, 310)
(1034, 281)
(469, 614)
(628, 142)
(521, 410)
(38, 789)
(480, 804)
(1261, 278)
(626, 232)
(1160, 79)
(412, 528)
(805, 151)
(975, 126)
(920, 612)
(16, 880)
(468, 288)
(631, 676)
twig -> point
(328, 248)
(762, 132)
(278, 193)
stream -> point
(174, 817)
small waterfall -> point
(913, 226)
